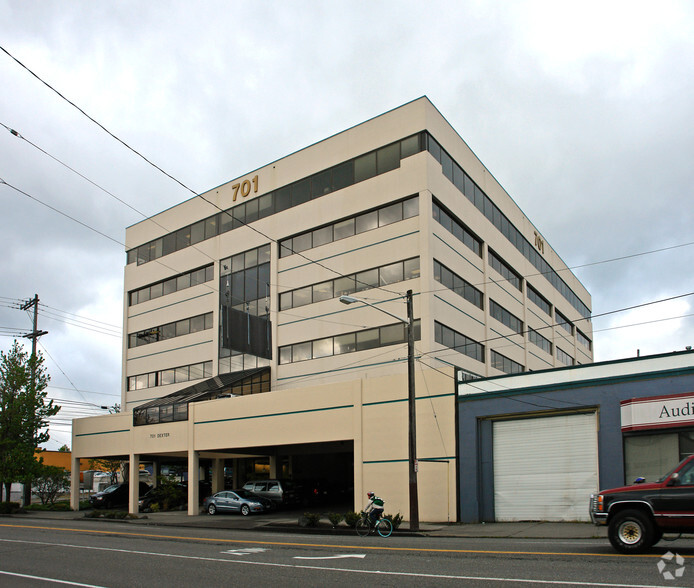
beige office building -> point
(240, 356)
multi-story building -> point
(237, 293)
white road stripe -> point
(54, 580)
(344, 570)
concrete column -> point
(133, 482)
(75, 483)
(155, 472)
(273, 466)
(217, 475)
(193, 481)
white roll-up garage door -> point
(545, 468)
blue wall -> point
(476, 414)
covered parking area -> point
(350, 437)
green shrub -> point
(394, 519)
(312, 518)
(351, 518)
(335, 518)
(10, 507)
(60, 505)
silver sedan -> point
(241, 501)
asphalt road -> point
(76, 553)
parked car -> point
(241, 501)
(281, 492)
(638, 515)
(115, 495)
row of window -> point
(504, 316)
(185, 373)
(505, 270)
(460, 286)
(564, 357)
(347, 343)
(449, 222)
(542, 342)
(454, 340)
(583, 340)
(563, 322)
(457, 176)
(330, 180)
(167, 413)
(455, 227)
(348, 227)
(345, 285)
(170, 330)
(171, 285)
(504, 364)
(540, 301)
(245, 260)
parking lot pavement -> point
(290, 521)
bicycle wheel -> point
(363, 528)
(384, 528)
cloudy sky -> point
(584, 113)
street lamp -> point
(412, 420)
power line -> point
(94, 121)
(60, 212)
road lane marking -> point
(323, 545)
(245, 551)
(476, 579)
(356, 555)
(54, 580)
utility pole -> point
(34, 335)
(412, 419)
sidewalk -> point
(289, 522)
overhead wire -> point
(260, 232)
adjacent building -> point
(240, 358)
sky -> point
(583, 113)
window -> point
(452, 339)
(539, 300)
(563, 322)
(195, 371)
(583, 340)
(504, 364)
(504, 316)
(505, 270)
(456, 228)
(367, 221)
(537, 339)
(458, 285)
(345, 285)
(170, 330)
(171, 285)
(564, 357)
(362, 340)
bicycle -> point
(382, 526)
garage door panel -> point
(545, 468)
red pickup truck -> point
(638, 515)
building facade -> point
(535, 446)
(239, 350)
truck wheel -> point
(631, 531)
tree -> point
(112, 466)
(64, 449)
(24, 412)
(50, 482)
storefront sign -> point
(658, 412)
